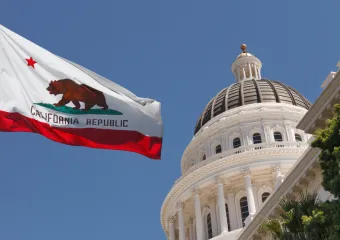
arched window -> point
(209, 225)
(204, 157)
(264, 196)
(278, 137)
(236, 142)
(257, 138)
(298, 137)
(228, 220)
(218, 149)
(244, 209)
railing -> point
(242, 149)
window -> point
(298, 138)
(265, 196)
(257, 138)
(244, 209)
(228, 220)
(278, 137)
(218, 149)
(210, 233)
(204, 157)
(236, 142)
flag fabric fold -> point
(43, 93)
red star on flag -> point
(30, 62)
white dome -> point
(238, 158)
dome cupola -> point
(246, 66)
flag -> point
(43, 93)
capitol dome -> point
(245, 143)
(249, 92)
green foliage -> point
(324, 221)
(328, 140)
(291, 222)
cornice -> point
(221, 165)
(243, 148)
(320, 104)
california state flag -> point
(67, 103)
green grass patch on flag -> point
(70, 110)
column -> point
(239, 69)
(258, 72)
(245, 137)
(278, 178)
(171, 221)
(232, 211)
(191, 229)
(221, 205)
(198, 215)
(290, 134)
(237, 74)
(255, 70)
(180, 216)
(257, 204)
(249, 191)
(212, 206)
(244, 72)
(250, 73)
(269, 135)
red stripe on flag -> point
(131, 141)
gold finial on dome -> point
(244, 48)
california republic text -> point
(63, 120)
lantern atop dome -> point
(246, 66)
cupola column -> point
(171, 222)
(256, 73)
(249, 191)
(244, 73)
(250, 72)
(221, 204)
(212, 206)
(198, 215)
(181, 227)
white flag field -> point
(43, 93)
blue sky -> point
(178, 52)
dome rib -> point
(206, 113)
(226, 98)
(306, 102)
(287, 89)
(241, 93)
(258, 91)
(217, 99)
(220, 106)
(277, 98)
(250, 92)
